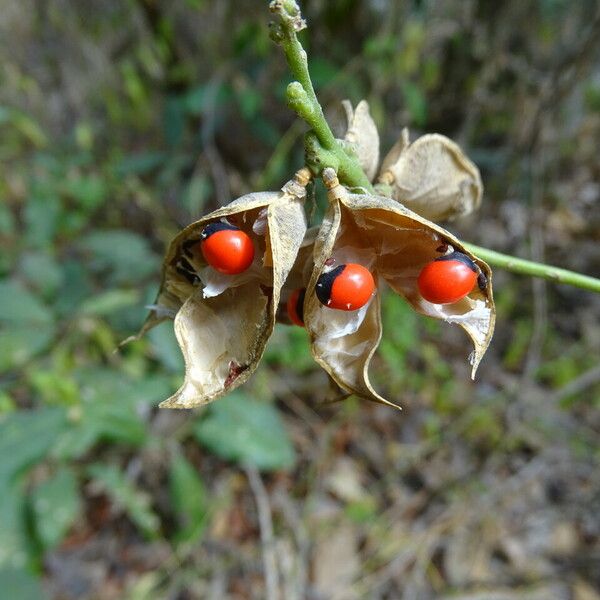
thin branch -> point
(528, 267)
(323, 150)
(266, 532)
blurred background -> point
(120, 122)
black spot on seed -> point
(460, 257)
(325, 283)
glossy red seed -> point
(226, 248)
(347, 287)
(447, 279)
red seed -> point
(227, 248)
(447, 279)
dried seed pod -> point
(224, 321)
(362, 133)
(432, 177)
(299, 275)
(395, 244)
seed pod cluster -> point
(230, 276)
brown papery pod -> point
(362, 134)
(432, 177)
(224, 321)
(395, 244)
(299, 275)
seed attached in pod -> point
(448, 279)
(347, 287)
(226, 248)
(295, 306)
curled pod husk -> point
(362, 134)
(395, 244)
(224, 321)
(299, 274)
(432, 177)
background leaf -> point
(26, 436)
(56, 506)
(244, 430)
(189, 498)
(126, 496)
(124, 256)
(21, 585)
(26, 325)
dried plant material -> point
(395, 244)
(223, 324)
(362, 134)
(299, 275)
(432, 177)
(343, 343)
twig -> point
(323, 150)
(266, 532)
(528, 267)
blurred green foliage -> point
(178, 117)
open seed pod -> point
(362, 134)
(224, 321)
(299, 275)
(395, 244)
(432, 177)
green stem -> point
(323, 150)
(528, 267)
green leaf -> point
(416, 103)
(196, 194)
(21, 306)
(250, 101)
(109, 302)
(189, 498)
(42, 216)
(7, 220)
(322, 71)
(75, 288)
(90, 191)
(26, 325)
(22, 585)
(42, 272)
(110, 410)
(26, 437)
(13, 537)
(174, 121)
(124, 256)
(165, 347)
(245, 430)
(126, 496)
(56, 506)
(289, 348)
(139, 164)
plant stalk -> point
(323, 150)
(534, 269)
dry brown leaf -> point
(432, 177)
(362, 133)
(395, 244)
(224, 322)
